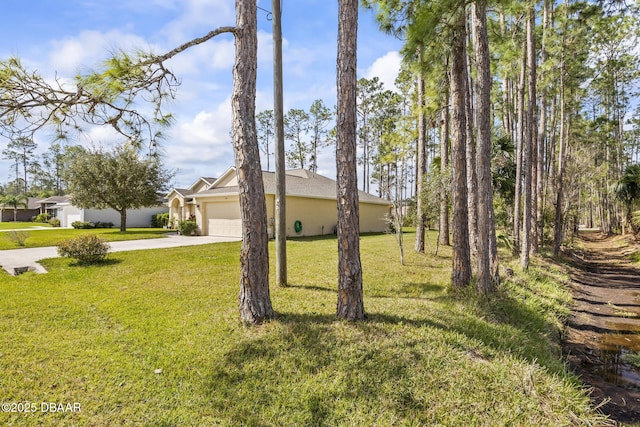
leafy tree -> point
(627, 190)
(120, 180)
(15, 202)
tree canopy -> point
(120, 180)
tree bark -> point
(472, 176)
(488, 267)
(421, 165)
(517, 206)
(123, 220)
(444, 164)
(529, 144)
(461, 259)
(254, 298)
(542, 128)
(350, 295)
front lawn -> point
(39, 238)
(21, 225)
(153, 338)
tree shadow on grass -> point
(311, 365)
(104, 263)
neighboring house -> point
(310, 204)
(22, 213)
(63, 209)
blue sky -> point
(70, 36)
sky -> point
(63, 38)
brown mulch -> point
(605, 323)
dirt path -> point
(603, 331)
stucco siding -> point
(135, 217)
(372, 217)
(318, 216)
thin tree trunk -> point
(461, 259)
(255, 301)
(472, 176)
(421, 166)
(517, 212)
(529, 145)
(542, 129)
(443, 228)
(350, 296)
(559, 223)
(488, 267)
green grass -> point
(40, 238)
(426, 355)
(21, 225)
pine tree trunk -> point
(444, 164)
(559, 222)
(517, 207)
(254, 298)
(461, 270)
(488, 267)
(421, 168)
(529, 145)
(350, 296)
(472, 176)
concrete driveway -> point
(27, 259)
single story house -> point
(23, 213)
(311, 207)
(61, 207)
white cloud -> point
(89, 48)
(201, 145)
(199, 14)
(386, 69)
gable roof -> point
(299, 183)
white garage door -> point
(225, 227)
(71, 219)
(223, 219)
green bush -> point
(82, 224)
(43, 218)
(89, 225)
(187, 228)
(87, 249)
(54, 222)
(103, 225)
(160, 220)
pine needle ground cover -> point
(153, 338)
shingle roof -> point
(299, 182)
(55, 199)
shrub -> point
(54, 222)
(18, 237)
(160, 220)
(82, 224)
(187, 228)
(43, 218)
(87, 249)
(103, 225)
